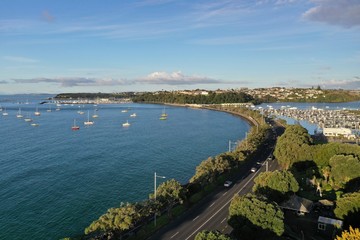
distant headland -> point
(201, 96)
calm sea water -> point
(54, 181)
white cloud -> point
(353, 84)
(74, 82)
(19, 59)
(155, 78)
(345, 13)
(176, 78)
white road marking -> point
(196, 218)
(220, 208)
(212, 204)
(174, 235)
(224, 193)
(223, 220)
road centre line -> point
(196, 218)
(223, 220)
(224, 193)
(221, 208)
(174, 235)
(212, 204)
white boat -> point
(5, 113)
(88, 122)
(19, 115)
(28, 118)
(37, 113)
(124, 111)
(35, 124)
(95, 115)
(49, 110)
(133, 115)
(127, 124)
(163, 116)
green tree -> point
(276, 185)
(293, 146)
(211, 235)
(343, 169)
(255, 213)
(348, 208)
(116, 219)
(170, 193)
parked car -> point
(253, 169)
(227, 183)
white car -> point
(253, 169)
(227, 183)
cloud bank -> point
(155, 78)
(176, 78)
(344, 13)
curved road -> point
(211, 213)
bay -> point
(54, 181)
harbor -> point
(330, 122)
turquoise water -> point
(54, 181)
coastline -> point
(249, 119)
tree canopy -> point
(293, 146)
(116, 219)
(348, 208)
(255, 213)
(343, 169)
(211, 235)
(181, 98)
(275, 185)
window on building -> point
(321, 226)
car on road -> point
(253, 169)
(227, 183)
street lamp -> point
(156, 176)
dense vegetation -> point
(253, 217)
(351, 234)
(277, 185)
(211, 235)
(348, 209)
(211, 98)
(117, 221)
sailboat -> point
(163, 116)
(95, 115)
(133, 115)
(88, 122)
(49, 110)
(37, 113)
(28, 118)
(75, 127)
(19, 115)
(5, 113)
(127, 124)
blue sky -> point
(147, 45)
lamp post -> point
(156, 176)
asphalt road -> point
(212, 212)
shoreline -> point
(248, 119)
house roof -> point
(297, 204)
(334, 222)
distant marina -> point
(331, 122)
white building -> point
(337, 132)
